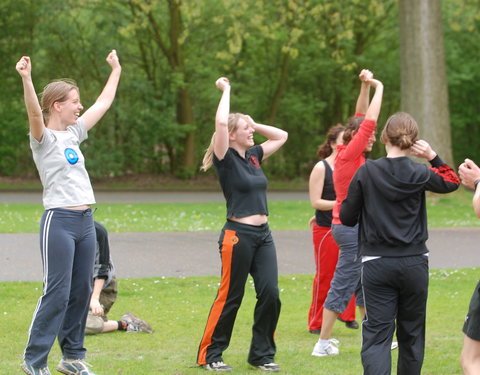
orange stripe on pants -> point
(229, 240)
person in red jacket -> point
(358, 138)
(322, 199)
(386, 199)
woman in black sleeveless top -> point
(246, 244)
(322, 198)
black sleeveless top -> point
(243, 183)
(324, 218)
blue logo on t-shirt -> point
(71, 156)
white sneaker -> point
(394, 345)
(330, 349)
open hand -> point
(421, 149)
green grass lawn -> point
(177, 309)
(452, 210)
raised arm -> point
(104, 101)
(364, 96)
(470, 175)
(366, 130)
(374, 108)
(221, 141)
(34, 111)
(275, 137)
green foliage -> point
(461, 22)
(177, 309)
(292, 63)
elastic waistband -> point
(87, 212)
(246, 228)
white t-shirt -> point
(61, 167)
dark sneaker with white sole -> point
(217, 366)
(271, 367)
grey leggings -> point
(346, 279)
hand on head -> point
(222, 83)
(112, 59)
(250, 120)
(469, 172)
(421, 149)
(24, 66)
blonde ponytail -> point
(208, 157)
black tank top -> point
(324, 218)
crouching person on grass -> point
(105, 293)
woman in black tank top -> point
(245, 242)
(322, 198)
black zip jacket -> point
(387, 198)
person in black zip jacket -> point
(387, 198)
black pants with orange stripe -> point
(244, 250)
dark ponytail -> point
(326, 149)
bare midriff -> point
(251, 220)
(79, 208)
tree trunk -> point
(280, 89)
(167, 38)
(185, 117)
(423, 78)
(184, 102)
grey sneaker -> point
(74, 367)
(272, 367)
(30, 370)
(217, 366)
(135, 324)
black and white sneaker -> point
(271, 367)
(217, 366)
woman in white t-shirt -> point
(67, 233)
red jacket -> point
(349, 158)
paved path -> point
(150, 196)
(195, 253)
